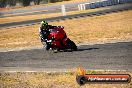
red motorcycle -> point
(58, 40)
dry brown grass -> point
(20, 37)
(25, 18)
(116, 26)
(52, 80)
(111, 26)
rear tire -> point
(72, 45)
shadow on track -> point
(87, 49)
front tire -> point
(55, 49)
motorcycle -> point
(58, 40)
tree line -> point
(5, 3)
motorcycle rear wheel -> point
(72, 45)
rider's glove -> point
(61, 27)
(45, 40)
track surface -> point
(48, 9)
(111, 56)
(111, 9)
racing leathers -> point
(44, 32)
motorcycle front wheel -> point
(55, 49)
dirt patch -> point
(116, 26)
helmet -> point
(44, 23)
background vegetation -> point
(5, 3)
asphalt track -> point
(112, 9)
(48, 9)
(110, 56)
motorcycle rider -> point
(44, 32)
